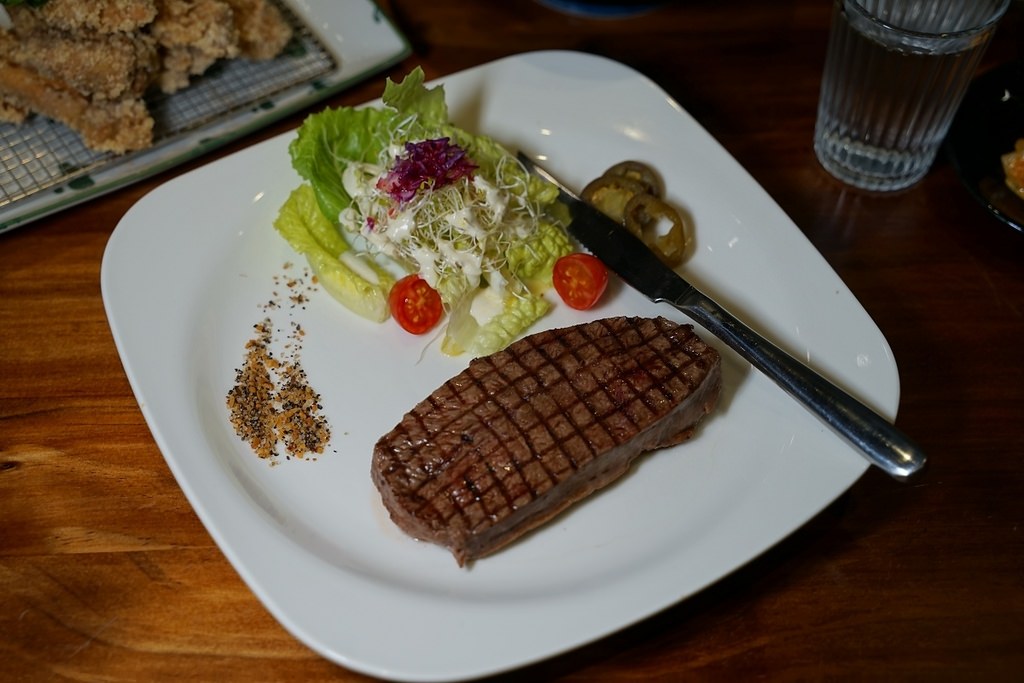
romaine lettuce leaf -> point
(311, 234)
(533, 260)
(465, 335)
(330, 140)
(411, 97)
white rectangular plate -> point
(44, 167)
(187, 274)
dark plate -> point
(989, 122)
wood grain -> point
(107, 574)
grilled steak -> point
(521, 434)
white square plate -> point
(187, 274)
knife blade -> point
(881, 443)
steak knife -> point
(877, 440)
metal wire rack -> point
(40, 153)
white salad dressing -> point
(465, 222)
(426, 262)
(493, 198)
(489, 302)
(359, 266)
(350, 220)
(398, 229)
(360, 179)
(397, 233)
(486, 305)
(467, 261)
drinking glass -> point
(895, 73)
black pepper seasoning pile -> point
(272, 406)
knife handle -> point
(879, 441)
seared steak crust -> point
(521, 434)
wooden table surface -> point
(106, 574)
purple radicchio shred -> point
(430, 163)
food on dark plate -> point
(524, 433)
(1013, 167)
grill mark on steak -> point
(523, 433)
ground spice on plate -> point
(272, 406)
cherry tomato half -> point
(580, 279)
(415, 305)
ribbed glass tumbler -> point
(895, 73)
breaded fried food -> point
(89, 80)
(101, 16)
(107, 67)
(262, 31)
(192, 34)
(90, 64)
(1013, 168)
(106, 125)
(10, 112)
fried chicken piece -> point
(116, 126)
(11, 112)
(88, 64)
(109, 67)
(103, 16)
(262, 31)
(90, 81)
(193, 34)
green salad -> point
(398, 192)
